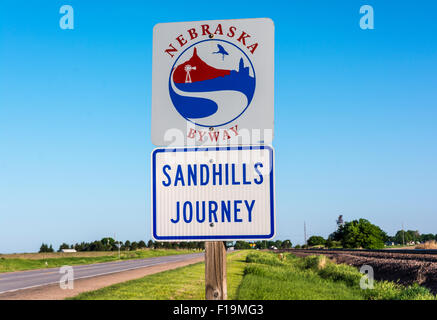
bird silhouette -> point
(221, 51)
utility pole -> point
(403, 234)
(118, 245)
(305, 232)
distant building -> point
(340, 221)
(68, 250)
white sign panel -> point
(213, 82)
(213, 193)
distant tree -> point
(239, 245)
(127, 245)
(360, 234)
(426, 237)
(45, 248)
(96, 246)
(261, 245)
(332, 243)
(403, 236)
(278, 244)
(134, 246)
(391, 239)
(150, 244)
(63, 246)
(141, 244)
(270, 244)
(108, 244)
(316, 241)
(298, 246)
(286, 244)
(83, 246)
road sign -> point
(213, 193)
(212, 82)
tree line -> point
(363, 234)
(278, 244)
(109, 244)
(402, 237)
(359, 233)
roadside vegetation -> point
(258, 275)
(20, 262)
(432, 244)
(268, 277)
(178, 284)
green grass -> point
(268, 278)
(255, 275)
(19, 264)
(315, 278)
(400, 246)
(182, 283)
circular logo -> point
(212, 83)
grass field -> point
(313, 278)
(19, 262)
(254, 275)
(48, 255)
(182, 283)
(268, 278)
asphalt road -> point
(13, 281)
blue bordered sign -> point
(213, 193)
(212, 82)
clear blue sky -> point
(355, 116)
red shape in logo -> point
(198, 70)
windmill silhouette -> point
(188, 68)
(221, 51)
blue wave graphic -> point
(235, 81)
(194, 108)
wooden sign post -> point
(215, 271)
